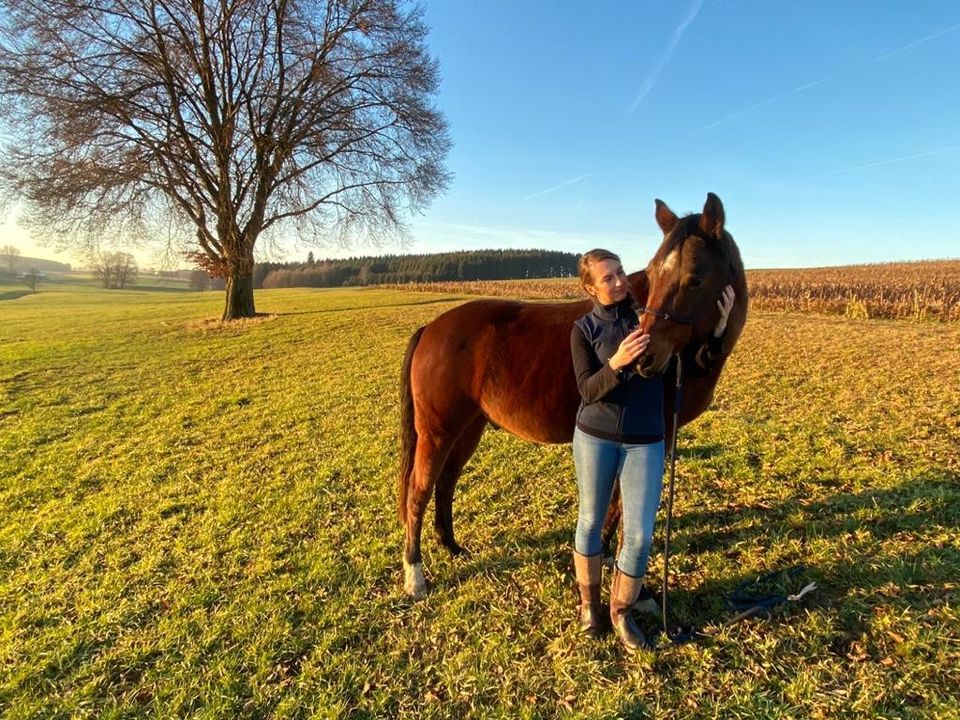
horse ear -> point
(665, 216)
(712, 219)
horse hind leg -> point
(611, 527)
(430, 457)
(447, 483)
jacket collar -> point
(621, 309)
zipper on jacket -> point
(624, 324)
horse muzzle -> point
(650, 365)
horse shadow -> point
(848, 584)
(701, 452)
(898, 509)
(699, 530)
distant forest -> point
(466, 265)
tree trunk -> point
(239, 297)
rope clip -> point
(809, 588)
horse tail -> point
(408, 431)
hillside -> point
(21, 263)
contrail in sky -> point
(565, 183)
(827, 78)
(891, 161)
(667, 54)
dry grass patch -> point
(212, 325)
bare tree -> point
(9, 254)
(199, 280)
(236, 118)
(102, 267)
(115, 270)
(31, 277)
(125, 269)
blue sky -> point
(831, 130)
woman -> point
(619, 432)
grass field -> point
(199, 521)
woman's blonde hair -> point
(586, 261)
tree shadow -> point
(14, 294)
(554, 546)
(701, 452)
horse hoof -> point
(458, 550)
(414, 583)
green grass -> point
(199, 521)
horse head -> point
(686, 277)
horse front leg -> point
(443, 520)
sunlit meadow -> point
(199, 521)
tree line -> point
(402, 269)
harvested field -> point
(924, 290)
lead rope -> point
(681, 636)
(747, 606)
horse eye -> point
(694, 283)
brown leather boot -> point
(593, 615)
(623, 594)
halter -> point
(664, 315)
(680, 319)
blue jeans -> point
(640, 467)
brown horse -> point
(509, 364)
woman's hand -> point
(630, 349)
(725, 305)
